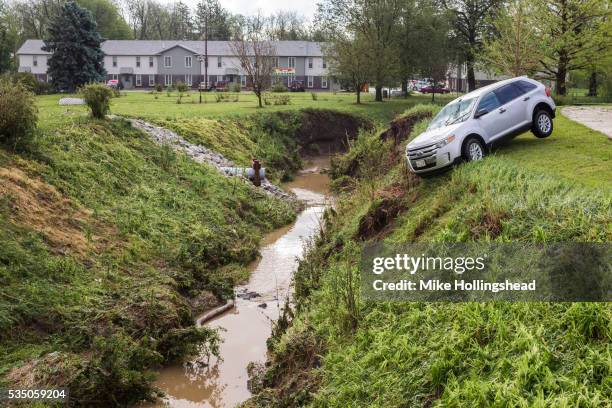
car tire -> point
(542, 124)
(473, 149)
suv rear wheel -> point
(473, 149)
(542, 124)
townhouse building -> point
(141, 64)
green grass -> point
(452, 355)
(146, 105)
(105, 238)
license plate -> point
(419, 163)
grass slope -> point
(109, 244)
(450, 355)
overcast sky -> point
(306, 8)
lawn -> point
(161, 106)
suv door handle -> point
(526, 98)
(501, 110)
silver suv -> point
(468, 126)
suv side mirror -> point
(480, 112)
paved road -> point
(595, 117)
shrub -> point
(18, 112)
(31, 83)
(220, 97)
(279, 87)
(282, 100)
(314, 96)
(159, 88)
(97, 97)
(235, 87)
(181, 87)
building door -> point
(126, 80)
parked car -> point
(220, 86)
(297, 86)
(467, 127)
(441, 89)
(113, 83)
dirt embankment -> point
(329, 131)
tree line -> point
(386, 42)
(377, 42)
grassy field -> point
(161, 106)
(341, 351)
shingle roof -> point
(152, 47)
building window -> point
(137, 62)
(49, 79)
(151, 80)
(290, 79)
(167, 61)
(323, 82)
(150, 62)
(242, 80)
(324, 63)
(188, 80)
(188, 61)
(310, 81)
(138, 80)
(35, 60)
(114, 62)
(291, 61)
(115, 77)
(275, 62)
(168, 80)
(219, 62)
(219, 78)
(309, 63)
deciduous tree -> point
(349, 62)
(516, 47)
(256, 56)
(472, 25)
(575, 35)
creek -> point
(246, 327)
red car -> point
(441, 89)
(297, 86)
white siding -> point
(28, 61)
(317, 67)
(130, 62)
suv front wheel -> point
(542, 124)
(473, 149)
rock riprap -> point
(200, 153)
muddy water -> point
(246, 327)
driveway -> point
(595, 117)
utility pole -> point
(206, 48)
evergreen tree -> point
(75, 43)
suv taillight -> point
(547, 89)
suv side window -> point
(489, 102)
(507, 93)
(525, 86)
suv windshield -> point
(455, 112)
